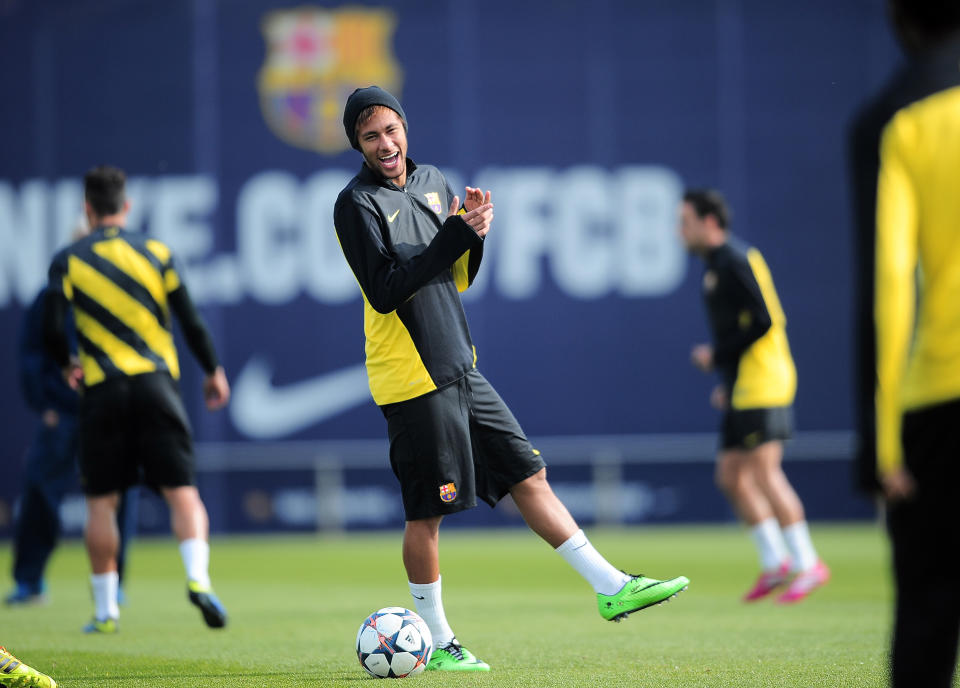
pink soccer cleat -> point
(805, 582)
(768, 582)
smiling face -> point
(383, 142)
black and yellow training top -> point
(411, 261)
(917, 272)
(750, 348)
(911, 111)
(122, 287)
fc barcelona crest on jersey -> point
(448, 492)
(315, 59)
(433, 200)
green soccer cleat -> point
(202, 597)
(639, 593)
(455, 657)
(16, 674)
(105, 626)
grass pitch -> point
(296, 603)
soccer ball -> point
(394, 642)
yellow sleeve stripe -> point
(895, 287)
(67, 288)
(159, 249)
(126, 309)
(134, 264)
(171, 280)
(120, 353)
(92, 372)
(460, 272)
(762, 274)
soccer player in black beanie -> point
(413, 248)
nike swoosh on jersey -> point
(262, 411)
(391, 218)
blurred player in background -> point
(16, 674)
(756, 391)
(452, 439)
(51, 467)
(122, 288)
(906, 158)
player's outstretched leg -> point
(455, 657)
(639, 593)
(619, 594)
(16, 674)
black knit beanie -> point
(361, 99)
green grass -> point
(296, 603)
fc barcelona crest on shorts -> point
(433, 200)
(448, 492)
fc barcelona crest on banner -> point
(433, 200)
(448, 492)
(315, 59)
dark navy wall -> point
(585, 119)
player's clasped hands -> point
(479, 209)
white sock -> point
(105, 587)
(770, 545)
(426, 597)
(196, 560)
(587, 561)
(798, 540)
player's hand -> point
(50, 418)
(73, 373)
(702, 357)
(480, 218)
(898, 485)
(216, 389)
(475, 198)
(718, 398)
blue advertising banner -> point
(585, 120)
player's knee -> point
(536, 482)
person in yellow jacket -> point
(906, 153)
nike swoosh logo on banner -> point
(391, 218)
(262, 411)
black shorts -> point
(749, 428)
(455, 444)
(134, 430)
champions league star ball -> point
(394, 643)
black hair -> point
(709, 202)
(104, 188)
